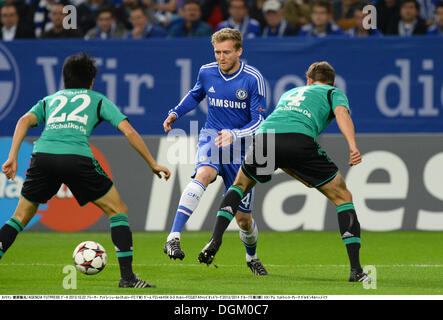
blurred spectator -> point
(343, 11)
(142, 28)
(164, 10)
(321, 24)
(297, 12)
(122, 12)
(181, 3)
(409, 23)
(24, 10)
(58, 31)
(191, 24)
(214, 12)
(42, 22)
(427, 11)
(107, 27)
(12, 28)
(359, 30)
(276, 26)
(256, 12)
(240, 20)
(87, 13)
(387, 11)
(437, 27)
(42, 10)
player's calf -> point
(8, 233)
(23, 214)
(121, 236)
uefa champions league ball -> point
(90, 257)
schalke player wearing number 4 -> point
(62, 155)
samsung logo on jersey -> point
(227, 103)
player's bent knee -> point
(244, 220)
(111, 209)
(243, 182)
(206, 175)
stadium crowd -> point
(140, 19)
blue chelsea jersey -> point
(235, 102)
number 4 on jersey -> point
(297, 97)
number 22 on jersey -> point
(73, 116)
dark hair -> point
(324, 4)
(141, 8)
(360, 7)
(439, 5)
(417, 5)
(192, 1)
(105, 9)
(6, 4)
(322, 72)
(78, 71)
(245, 3)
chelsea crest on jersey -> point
(235, 102)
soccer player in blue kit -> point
(236, 100)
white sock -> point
(174, 235)
(249, 258)
(249, 239)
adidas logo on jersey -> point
(211, 89)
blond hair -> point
(228, 34)
(322, 72)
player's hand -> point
(169, 120)
(158, 170)
(354, 157)
(9, 168)
(224, 138)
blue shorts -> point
(226, 161)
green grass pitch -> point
(299, 263)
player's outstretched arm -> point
(346, 126)
(138, 144)
(169, 120)
(9, 168)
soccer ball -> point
(90, 257)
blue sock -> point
(181, 217)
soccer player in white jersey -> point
(236, 94)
